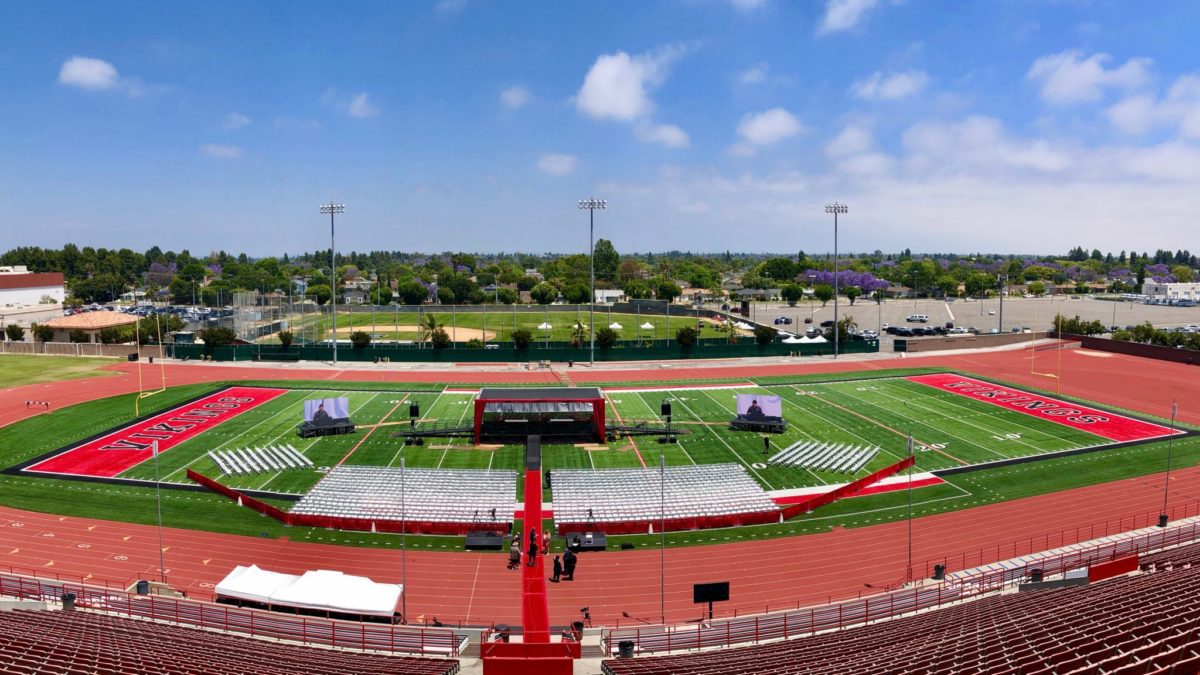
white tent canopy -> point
(648, 326)
(544, 326)
(615, 326)
(793, 340)
(743, 325)
(321, 590)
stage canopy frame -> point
(534, 401)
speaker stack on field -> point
(665, 412)
(414, 412)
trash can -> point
(1162, 520)
(151, 359)
(577, 630)
(625, 649)
(1035, 575)
(143, 587)
(68, 600)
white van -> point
(918, 318)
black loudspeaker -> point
(939, 572)
(627, 546)
(666, 408)
(1035, 575)
(133, 357)
(414, 410)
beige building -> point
(91, 323)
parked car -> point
(917, 318)
(808, 319)
(828, 323)
(901, 331)
(991, 312)
(783, 321)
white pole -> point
(162, 568)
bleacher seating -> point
(835, 457)
(434, 495)
(1136, 624)
(623, 495)
(86, 642)
(246, 461)
(1174, 557)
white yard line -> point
(726, 443)
(185, 467)
(419, 419)
(847, 431)
(467, 406)
(314, 441)
(1030, 430)
(660, 419)
(928, 425)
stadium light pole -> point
(1162, 518)
(1000, 280)
(332, 208)
(662, 531)
(403, 549)
(909, 573)
(835, 208)
(591, 204)
(162, 568)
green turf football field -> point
(948, 430)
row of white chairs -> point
(246, 461)
(836, 457)
(602, 495)
(453, 495)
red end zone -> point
(115, 452)
(1105, 424)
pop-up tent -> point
(321, 590)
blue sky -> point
(1014, 126)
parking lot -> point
(982, 315)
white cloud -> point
(1068, 77)
(360, 106)
(768, 127)
(664, 134)
(616, 85)
(222, 151)
(450, 6)
(1179, 108)
(753, 75)
(88, 73)
(843, 15)
(514, 97)
(880, 87)
(979, 144)
(557, 164)
(235, 121)
(852, 140)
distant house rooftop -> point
(91, 321)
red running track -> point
(478, 588)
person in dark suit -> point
(754, 410)
(569, 564)
(321, 418)
(533, 547)
(558, 570)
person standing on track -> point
(533, 547)
(558, 570)
(514, 554)
(569, 564)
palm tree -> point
(428, 325)
(579, 334)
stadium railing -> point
(399, 639)
(808, 621)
